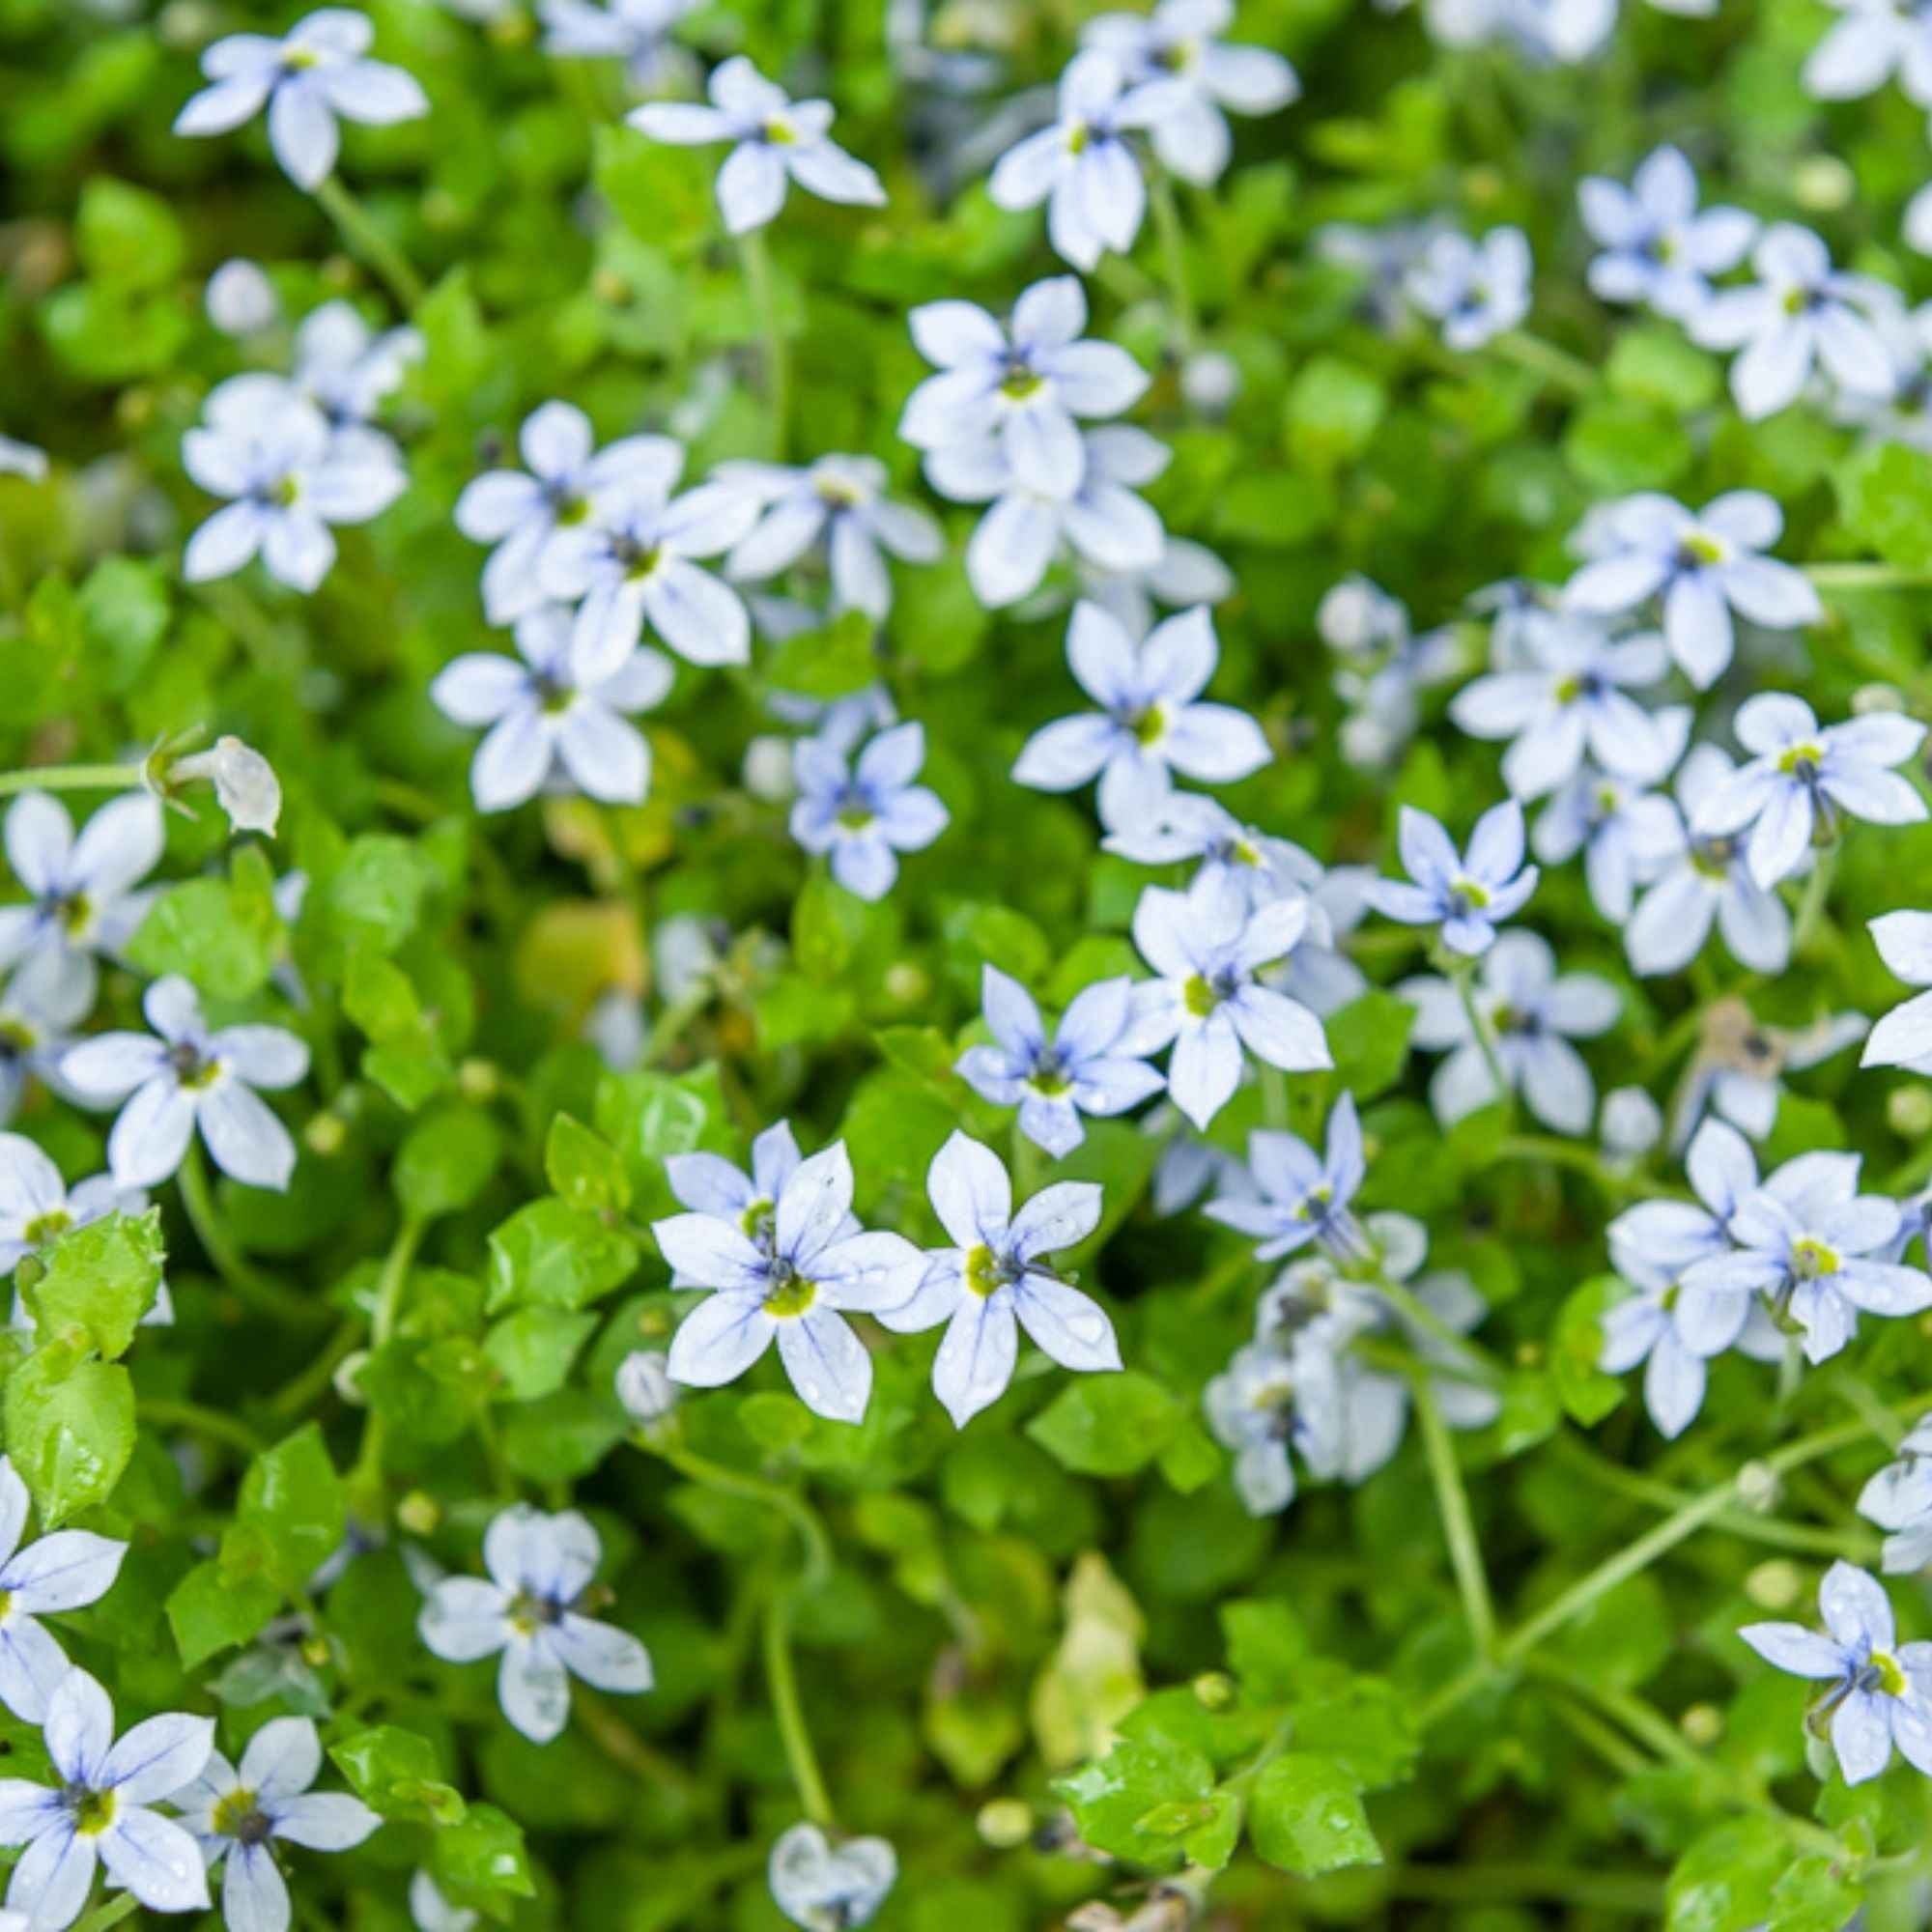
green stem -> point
(1418, 1313)
(167, 1412)
(70, 778)
(1173, 257)
(782, 1681)
(1458, 1530)
(1556, 366)
(367, 239)
(110, 1913)
(1817, 890)
(1463, 973)
(668, 1028)
(1865, 576)
(1577, 1155)
(1274, 1096)
(1027, 1166)
(267, 1297)
(793, 1507)
(758, 260)
(366, 1480)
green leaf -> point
(831, 662)
(1305, 1815)
(563, 1436)
(445, 1161)
(1368, 1039)
(479, 1860)
(533, 1349)
(1140, 1799)
(555, 1256)
(1107, 1425)
(209, 1611)
(585, 1168)
(1885, 494)
(398, 1772)
(1266, 1647)
(1724, 1882)
(98, 1280)
(224, 940)
(70, 1429)
(290, 1514)
(127, 238)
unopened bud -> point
(768, 771)
(1775, 1585)
(1908, 1112)
(1758, 1487)
(1214, 1690)
(245, 785)
(479, 1079)
(419, 1513)
(241, 300)
(1005, 1822)
(325, 1133)
(1702, 1726)
(1210, 383)
(907, 982)
(1633, 1123)
(1822, 184)
(644, 1386)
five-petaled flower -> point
(1467, 894)
(65, 1571)
(865, 814)
(1305, 1195)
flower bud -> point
(1005, 1822)
(1702, 1726)
(419, 1513)
(241, 300)
(1908, 1112)
(1775, 1585)
(644, 1386)
(245, 785)
(1210, 382)
(1633, 1123)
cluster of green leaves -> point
(1065, 1604)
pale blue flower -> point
(636, 32)
(288, 475)
(1273, 1399)
(1209, 950)
(1305, 1196)
(1707, 881)
(23, 459)
(1806, 1240)
(1801, 312)
(1626, 833)
(1054, 1078)
(525, 1611)
(865, 814)
(1533, 1015)
(348, 369)
(776, 141)
(84, 894)
(794, 1284)
(65, 1571)
(37, 1207)
(1083, 166)
(838, 502)
(1475, 290)
(1151, 722)
(1803, 780)
(100, 1811)
(1699, 568)
(544, 721)
(189, 1077)
(316, 72)
(39, 1008)
(1659, 248)
(241, 300)
(1903, 1036)
(1470, 896)
(995, 1280)
(241, 1815)
(1186, 573)
(826, 1888)
(1875, 39)
(1179, 41)
(1736, 1073)
(1022, 384)
(1103, 524)
(1880, 1690)
(1899, 1501)
(1570, 698)
(520, 513)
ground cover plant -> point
(963, 966)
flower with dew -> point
(1903, 1036)
(183, 1076)
(1800, 313)
(241, 1815)
(791, 1277)
(1022, 384)
(1179, 41)
(100, 1812)
(1054, 1078)
(1626, 833)
(1803, 779)
(39, 1008)
(1532, 1014)
(348, 369)
(316, 72)
(1658, 248)
(546, 725)
(1708, 881)
(707, 1183)
(1570, 699)
(1806, 1240)
(1700, 568)
(632, 559)
(1467, 894)
(636, 32)
(36, 1205)
(1210, 949)
(1873, 40)
(837, 502)
(84, 893)
(776, 141)
(866, 812)
(520, 510)
(1305, 1195)
(1880, 1690)
(828, 1888)
(525, 1613)
(1152, 721)
(1084, 166)
(1898, 1499)
(1476, 289)
(996, 1279)
(289, 477)
(65, 1571)
(1271, 1404)
(1103, 524)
